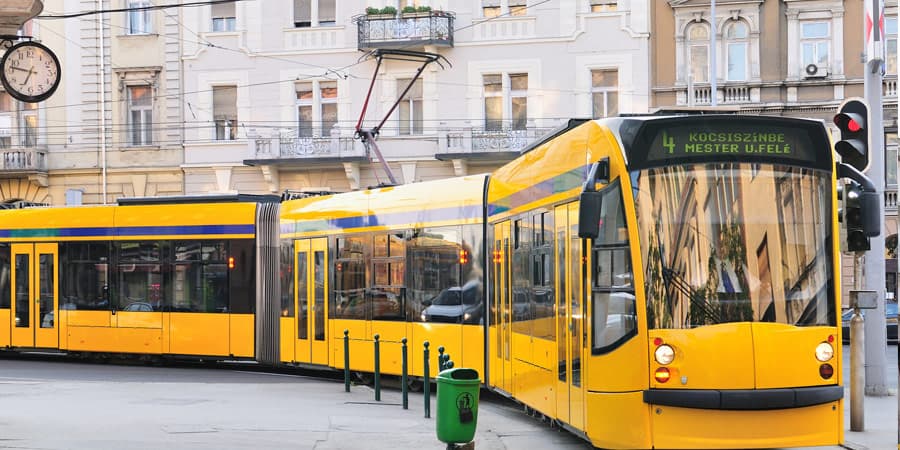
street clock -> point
(30, 72)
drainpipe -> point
(101, 74)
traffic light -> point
(852, 120)
(854, 221)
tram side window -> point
(140, 276)
(349, 299)
(242, 276)
(444, 275)
(388, 292)
(5, 271)
(614, 314)
(199, 277)
(287, 277)
(543, 291)
(84, 275)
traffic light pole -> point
(875, 331)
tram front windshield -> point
(735, 242)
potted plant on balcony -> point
(416, 11)
(388, 12)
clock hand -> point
(19, 68)
(30, 71)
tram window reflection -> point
(84, 276)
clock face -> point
(30, 72)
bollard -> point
(346, 360)
(857, 372)
(440, 358)
(427, 385)
(377, 371)
(403, 378)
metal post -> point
(857, 373)
(346, 360)
(440, 359)
(403, 379)
(875, 327)
(427, 384)
(377, 370)
(714, 94)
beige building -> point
(798, 58)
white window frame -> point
(315, 19)
(604, 91)
(414, 101)
(145, 134)
(734, 42)
(890, 36)
(225, 22)
(816, 43)
(804, 11)
(227, 125)
(140, 21)
(507, 93)
(697, 43)
(504, 8)
(317, 103)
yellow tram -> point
(646, 282)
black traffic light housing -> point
(852, 120)
(861, 212)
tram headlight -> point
(664, 354)
(824, 352)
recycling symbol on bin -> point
(464, 403)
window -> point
(316, 108)
(7, 110)
(349, 299)
(890, 166)
(5, 270)
(814, 43)
(311, 13)
(890, 45)
(737, 44)
(140, 115)
(138, 19)
(604, 93)
(604, 5)
(496, 8)
(518, 7)
(388, 272)
(410, 107)
(613, 291)
(225, 112)
(490, 8)
(698, 52)
(223, 17)
(287, 277)
(505, 95)
(200, 277)
(29, 117)
(140, 276)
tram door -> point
(570, 312)
(312, 313)
(501, 365)
(34, 295)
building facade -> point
(796, 58)
(274, 90)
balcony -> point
(22, 161)
(472, 142)
(890, 200)
(288, 148)
(889, 86)
(410, 31)
(726, 94)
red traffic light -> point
(853, 126)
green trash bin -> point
(457, 405)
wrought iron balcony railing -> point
(290, 146)
(406, 30)
(478, 141)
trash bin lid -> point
(461, 374)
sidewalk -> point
(880, 421)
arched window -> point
(737, 45)
(698, 52)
